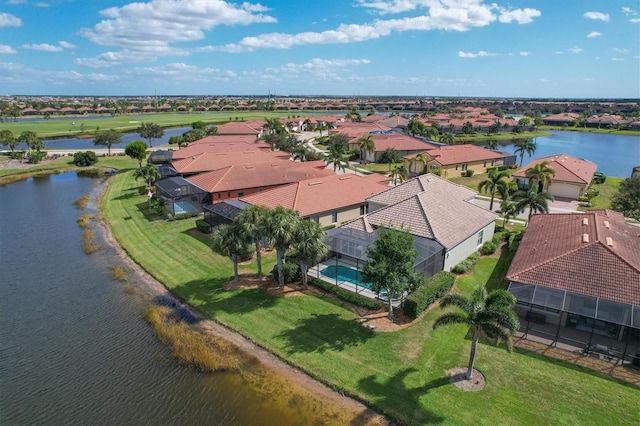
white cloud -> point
(155, 25)
(18, 73)
(575, 49)
(384, 7)
(448, 15)
(524, 53)
(588, 79)
(43, 47)
(634, 20)
(481, 53)
(8, 20)
(620, 50)
(41, 4)
(16, 1)
(593, 34)
(629, 11)
(6, 50)
(558, 52)
(67, 45)
(598, 16)
(617, 59)
(544, 80)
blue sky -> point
(497, 48)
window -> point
(316, 219)
(240, 193)
(484, 164)
(456, 167)
(480, 237)
(464, 167)
(334, 217)
(219, 195)
(229, 194)
(361, 210)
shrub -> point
(16, 155)
(290, 270)
(186, 215)
(466, 264)
(203, 226)
(599, 178)
(345, 295)
(247, 253)
(502, 168)
(84, 158)
(34, 157)
(489, 247)
(433, 289)
(470, 173)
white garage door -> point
(564, 190)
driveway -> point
(559, 205)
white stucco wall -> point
(566, 190)
(460, 252)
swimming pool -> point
(344, 273)
(183, 207)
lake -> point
(75, 347)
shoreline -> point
(151, 287)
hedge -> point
(466, 264)
(489, 247)
(203, 226)
(186, 215)
(433, 289)
(346, 295)
(291, 271)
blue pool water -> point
(344, 273)
(183, 207)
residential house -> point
(572, 179)
(240, 128)
(455, 160)
(221, 143)
(404, 144)
(209, 161)
(577, 281)
(447, 227)
(328, 200)
(562, 119)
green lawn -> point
(483, 137)
(402, 374)
(122, 163)
(607, 189)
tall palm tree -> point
(534, 201)
(467, 127)
(230, 240)
(251, 220)
(494, 182)
(525, 146)
(148, 174)
(492, 144)
(308, 241)
(367, 146)
(447, 138)
(540, 174)
(508, 210)
(399, 174)
(279, 228)
(490, 314)
(420, 159)
(335, 157)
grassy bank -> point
(402, 374)
(591, 130)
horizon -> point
(478, 49)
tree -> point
(390, 265)
(230, 240)
(508, 210)
(540, 174)
(273, 126)
(390, 156)
(31, 139)
(492, 144)
(308, 241)
(399, 174)
(251, 220)
(84, 158)
(467, 128)
(367, 146)
(340, 141)
(150, 131)
(418, 158)
(534, 201)
(447, 138)
(279, 228)
(148, 174)
(199, 125)
(627, 199)
(494, 182)
(417, 128)
(336, 158)
(107, 138)
(8, 138)
(525, 146)
(490, 314)
(137, 150)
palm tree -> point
(523, 146)
(148, 174)
(367, 146)
(230, 240)
(335, 157)
(279, 227)
(508, 210)
(251, 220)
(273, 125)
(534, 201)
(308, 241)
(541, 174)
(494, 182)
(490, 314)
(399, 174)
(492, 144)
(447, 138)
(467, 128)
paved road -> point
(557, 206)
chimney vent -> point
(585, 220)
(609, 241)
(585, 238)
(606, 224)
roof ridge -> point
(296, 194)
(568, 169)
(616, 254)
(553, 259)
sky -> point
(468, 48)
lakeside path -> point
(333, 403)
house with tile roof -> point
(215, 160)
(221, 143)
(328, 200)
(239, 128)
(237, 180)
(447, 227)
(404, 144)
(577, 280)
(455, 160)
(572, 179)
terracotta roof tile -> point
(459, 154)
(208, 161)
(554, 252)
(568, 168)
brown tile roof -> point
(221, 144)
(238, 129)
(258, 175)
(460, 154)
(431, 207)
(555, 253)
(568, 168)
(400, 142)
(208, 161)
(318, 195)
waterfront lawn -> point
(607, 189)
(401, 374)
(61, 164)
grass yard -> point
(401, 374)
(607, 189)
(122, 163)
(382, 168)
